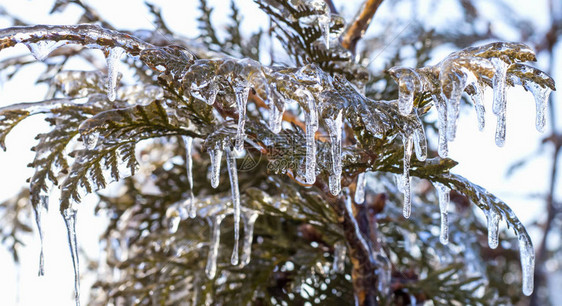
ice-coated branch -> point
(89, 35)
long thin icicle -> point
(233, 174)
(478, 104)
(190, 207)
(527, 254)
(541, 95)
(443, 148)
(241, 93)
(40, 212)
(453, 104)
(335, 131)
(250, 217)
(113, 60)
(444, 199)
(499, 103)
(215, 155)
(406, 180)
(311, 119)
(359, 196)
(69, 216)
(493, 228)
(211, 267)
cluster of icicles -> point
(464, 71)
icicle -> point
(40, 211)
(442, 149)
(113, 71)
(233, 174)
(493, 228)
(335, 131)
(499, 103)
(69, 216)
(241, 93)
(476, 97)
(541, 95)
(453, 103)
(409, 83)
(250, 217)
(420, 142)
(41, 49)
(444, 199)
(311, 118)
(191, 209)
(360, 188)
(216, 156)
(276, 117)
(340, 251)
(527, 254)
(211, 267)
(406, 180)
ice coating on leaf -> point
(211, 267)
(249, 217)
(335, 131)
(359, 196)
(41, 49)
(340, 251)
(69, 216)
(233, 174)
(311, 121)
(493, 228)
(40, 211)
(499, 102)
(241, 93)
(113, 61)
(200, 81)
(215, 155)
(406, 180)
(527, 254)
(409, 82)
(443, 194)
(190, 207)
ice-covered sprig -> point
(496, 65)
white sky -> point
(479, 159)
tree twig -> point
(357, 28)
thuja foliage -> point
(319, 200)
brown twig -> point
(357, 28)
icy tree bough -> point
(496, 65)
(327, 101)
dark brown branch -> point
(357, 28)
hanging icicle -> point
(493, 219)
(40, 212)
(250, 217)
(527, 254)
(233, 174)
(215, 155)
(190, 207)
(499, 103)
(444, 199)
(211, 267)
(69, 216)
(406, 180)
(241, 93)
(359, 196)
(113, 61)
(311, 120)
(335, 130)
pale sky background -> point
(479, 159)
